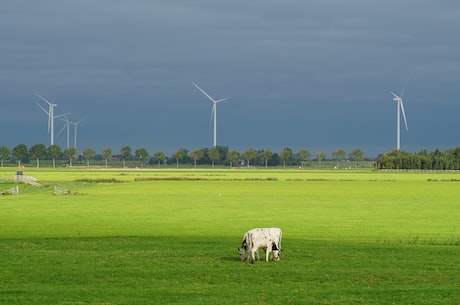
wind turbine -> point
(400, 108)
(67, 124)
(214, 110)
(51, 116)
(75, 128)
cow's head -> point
(242, 252)
(276, 254)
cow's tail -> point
(281, 235)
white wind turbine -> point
(75, 128)
(51, 116)
(400, 107)
(66, 125)
(214, 110)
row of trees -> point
(423, 160)
(221, 155)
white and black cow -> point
(275, 235)
(265, 240)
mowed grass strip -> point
(349, 238)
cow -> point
(274, 232)
(265, 240)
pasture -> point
(170, 237)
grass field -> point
(170, 237)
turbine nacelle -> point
(396, 98)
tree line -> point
(222, 155)
(422, 160)
(219, 155)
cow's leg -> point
(252, 255)
(267, 253)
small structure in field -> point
(57, 190)
(12, 191)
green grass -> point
(170, 237)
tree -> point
(54, 151)
(38, 151)
(141, 154)
(320, 155)
(160, 157)
(20, 152)
(213, 154)
(285, 155)
(356, 155)
(249, 155)
(222, 152)
(266, 155)
(179, 155)
(338, 155)
(232, 156)
(196, 155)
(4, 153)
(302, 155)
(88, 154)
(125, 153)
(70, 153)
(106, 154)
(456, 155)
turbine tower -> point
(400, 108)
(214, 110)
(51, 116)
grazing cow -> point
(262, 239)
(275, 233)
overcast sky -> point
(301, 74)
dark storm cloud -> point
(301, 74)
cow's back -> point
(276, 233)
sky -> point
(313, 75)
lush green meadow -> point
(170, 237)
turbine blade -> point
(202, 91)
(404, 88)
(41, 97)
(212, 115)
(65, 125)
(394, 94)
(222, 99)
(43, 109)
(404, 114)
(65, 119)
(49, 118)
(61, 115)
(76, 123)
